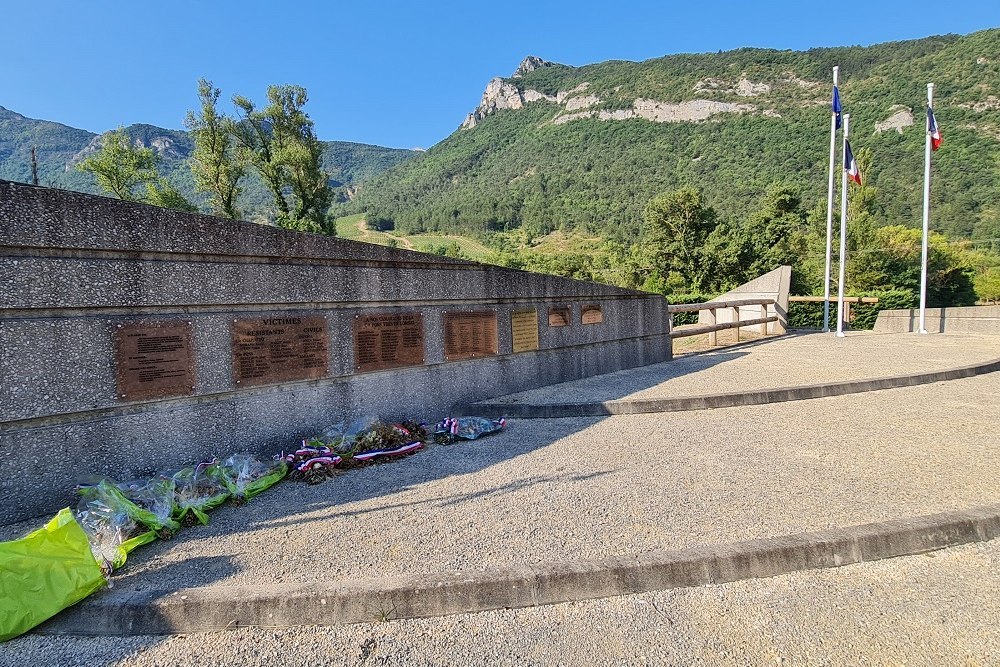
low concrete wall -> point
(76, 268)
(967, 319)
(772, 285)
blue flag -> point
(836, 105)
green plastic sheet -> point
(45, 572)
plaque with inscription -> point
(388, 340)
(591, 314)
(154, 360)
(559, 316)
(279, 349)
(470, 335)
(524, 330)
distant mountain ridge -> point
(561, 147)
(59, 148)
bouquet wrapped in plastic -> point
(111, 531)
(198, 490)
(147, 502)
(245, 477)
(450, 429)
(45, 572)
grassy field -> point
(353, 227)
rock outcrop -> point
(900, 117)
(530, 64)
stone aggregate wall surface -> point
(74, 268)
(964, 319)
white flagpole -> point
(843, 233)
(927, 212)
(829, 211)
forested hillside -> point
(60, 148)
(585, 148)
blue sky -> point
(400, 74)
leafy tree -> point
(279, 142)
(161, 193)
(217, 169)
(120, 167)
(987, 284)
(773, 235)
(892, 262)
(677, 225)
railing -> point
(712, 327)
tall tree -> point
(279, 142)
(216, 167)
(120, 167)
(677, 225)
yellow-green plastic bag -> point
(45, 572)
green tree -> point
(773, 235)
(161, 193)
(216, 167)
(677, 225)
(892, 261)
(120, 167)
(279, 142)
(987, 284)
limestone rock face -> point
(901, 117)
(498, 95)
(530, 64)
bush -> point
(809, 314)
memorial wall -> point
(134, 339)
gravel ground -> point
(799, 359)
(566, 489)
(935, 609)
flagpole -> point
(843, 234)
(927, 212)
(829, 211)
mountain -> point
(584, 148)
(59, 148)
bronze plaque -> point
(278, 349)
(388, 340)
(591, 314)
(470, 335)
(524, 330)
(154, 360)
(559, 316)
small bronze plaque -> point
(388, 340)
(559, 316)
(591, 314)
(279, 349)
(470, 335)
(154, 360)
(524, 330)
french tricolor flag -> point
(851, 165)
(934, 130)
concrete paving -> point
(581, 489)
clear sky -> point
(400, 74)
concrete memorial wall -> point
(135, 339)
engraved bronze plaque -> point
(470, 335)
(559, 316)
(154, 360)
(524, 330)
(279, 349)
(591, 314)
(388, 340)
